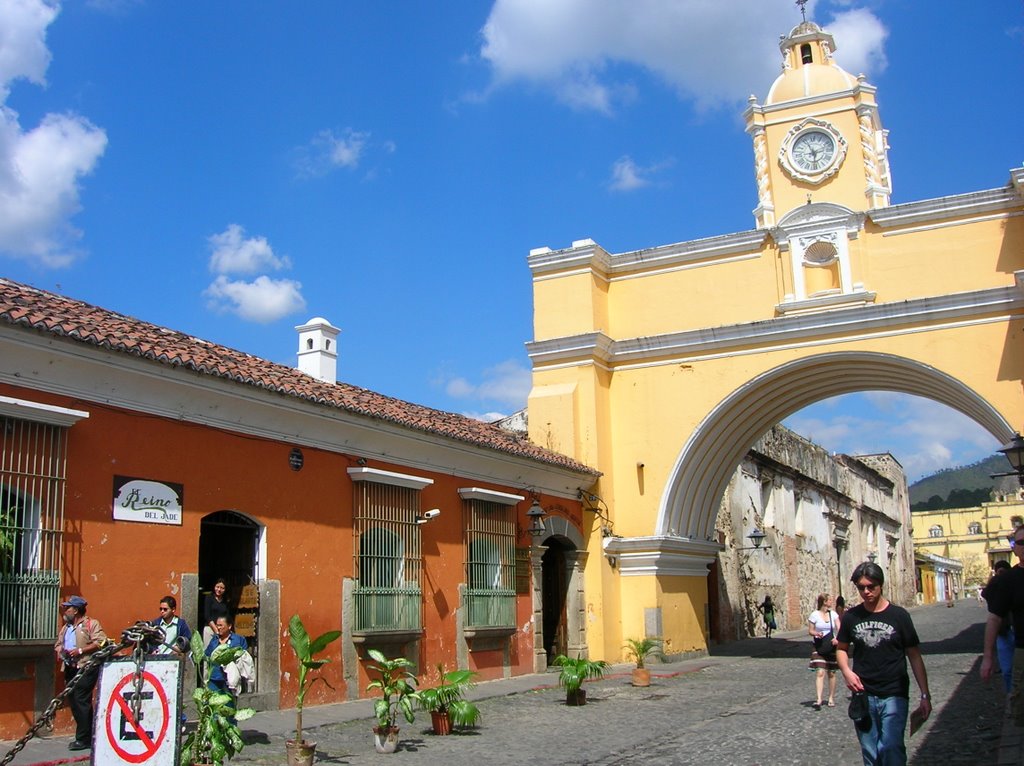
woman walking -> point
(822, 626)
(767, 608)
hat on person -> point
(76, 601)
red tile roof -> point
(29, 307)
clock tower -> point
(818, 136)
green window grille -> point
(33, 462)
(387, 595)
(490, 594)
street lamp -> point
(1014, 452)
(872, 556)
(756, 537)
(536, 516)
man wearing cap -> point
(79, 637)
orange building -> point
(138, 461)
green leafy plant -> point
(305, 652)
(397, 686)
(217, 736)
(575, 671)
(642, 648)
(449, 697)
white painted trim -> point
(391, 478)
(944, 208)
(871, 320)
(40, 413)
(948, 224)
(662, 555)
(489, 495)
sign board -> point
(153, 736)
(249, 597)
(245, 624)
(147, 501)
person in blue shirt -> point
(224, 627)
(177, 633)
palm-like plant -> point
(397, 686)
(448, 697)
(217, 736)
(575, 671)
(305, 652)
(642, 648)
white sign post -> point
(153, 737)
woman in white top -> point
(822, 625)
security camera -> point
(433, 513)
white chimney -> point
(318, 349)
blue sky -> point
(231, 169)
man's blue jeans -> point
(1004, 651)
(882, 744)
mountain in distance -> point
(962, 487)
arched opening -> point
(691, 501)
(229, 548)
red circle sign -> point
(150, 745)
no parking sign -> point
(152, 737)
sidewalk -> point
(266, 730)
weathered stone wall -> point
(822, 515)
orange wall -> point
(124, 568)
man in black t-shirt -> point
(1005, 597)
(880, 638)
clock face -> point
(813, 151)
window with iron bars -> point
(490, 593)
(33, 462)
(387, 595)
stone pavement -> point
(750, 703)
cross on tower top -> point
(803, 9)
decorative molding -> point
(40, 413)
(945, 208)
(490, 496)
(793, 327)
(662, 555)
(391, 478)
(805, 126)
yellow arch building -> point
(661, 367)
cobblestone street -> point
(750, 703)
(726, 710)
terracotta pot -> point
(300, 753)
(442, 722)
(579, 697)
(385, 740)
(641, 677)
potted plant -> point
(216, 736)
(301, 752)
(397, 686)
(640, 649)
(446, 702)
(574, 672)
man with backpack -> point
(79, 636)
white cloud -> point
(713, 53)
(860, 40)
(262, 300)
(234, 253)
(40, 168)
(628, 176)
(329, 150)
(506, 383)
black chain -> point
(137, 636)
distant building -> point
(822, 515)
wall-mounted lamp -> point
(872, 556)
(433, 513)
(756, 538)
(593, 503)
(536, 516)
(295, 459)
(1014, 452)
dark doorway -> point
(554, 591)
(229, 549)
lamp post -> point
(1014, 452)
(536, 516)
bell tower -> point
(817, 136)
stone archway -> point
(709, 458)
(559, 563)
